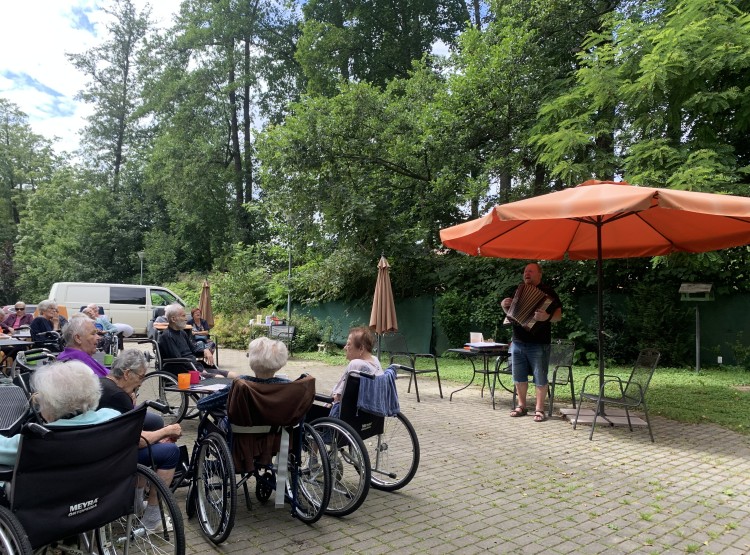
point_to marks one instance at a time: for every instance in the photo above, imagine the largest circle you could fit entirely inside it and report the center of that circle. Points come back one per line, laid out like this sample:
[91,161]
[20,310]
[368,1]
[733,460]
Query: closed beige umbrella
[383,314]
[205,304]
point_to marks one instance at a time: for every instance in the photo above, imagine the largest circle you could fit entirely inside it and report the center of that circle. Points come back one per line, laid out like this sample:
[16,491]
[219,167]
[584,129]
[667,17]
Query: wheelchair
[160,386]
[389,446]
[26,363]
[260,418]
[74,489]
[50,340]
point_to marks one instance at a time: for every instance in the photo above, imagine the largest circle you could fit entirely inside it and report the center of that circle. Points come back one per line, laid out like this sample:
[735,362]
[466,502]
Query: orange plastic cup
[183,380]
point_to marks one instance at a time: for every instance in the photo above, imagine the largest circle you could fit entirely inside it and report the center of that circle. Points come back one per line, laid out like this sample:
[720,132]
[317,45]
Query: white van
[125,304]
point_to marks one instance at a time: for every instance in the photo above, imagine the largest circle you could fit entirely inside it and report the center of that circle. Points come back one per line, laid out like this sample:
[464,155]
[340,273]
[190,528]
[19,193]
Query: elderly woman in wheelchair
[75,472]
[156,448]
[255,429]
[65,394]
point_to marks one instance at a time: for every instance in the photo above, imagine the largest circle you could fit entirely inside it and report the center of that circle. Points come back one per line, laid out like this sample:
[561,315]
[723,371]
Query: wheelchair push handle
[36,354]
[156,405]
[36,429]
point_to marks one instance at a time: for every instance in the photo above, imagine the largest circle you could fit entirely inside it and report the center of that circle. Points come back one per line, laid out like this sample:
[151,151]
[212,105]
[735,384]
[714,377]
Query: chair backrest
[14,409]
[393,342]
[561,353]
[252,405]
[282,333]
[364,423]
[640,377]
[76,478]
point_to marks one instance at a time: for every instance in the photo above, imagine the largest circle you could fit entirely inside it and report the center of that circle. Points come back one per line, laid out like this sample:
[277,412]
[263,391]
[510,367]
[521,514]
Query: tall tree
[668,82]
[26,161]
[372,41]
[114,89]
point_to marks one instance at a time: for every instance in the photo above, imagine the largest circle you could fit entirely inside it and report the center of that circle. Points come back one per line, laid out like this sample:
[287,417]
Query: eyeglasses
[20,308]
[140,376]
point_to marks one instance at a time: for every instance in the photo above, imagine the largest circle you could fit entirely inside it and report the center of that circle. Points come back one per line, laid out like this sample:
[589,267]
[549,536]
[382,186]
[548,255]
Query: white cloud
[34,72]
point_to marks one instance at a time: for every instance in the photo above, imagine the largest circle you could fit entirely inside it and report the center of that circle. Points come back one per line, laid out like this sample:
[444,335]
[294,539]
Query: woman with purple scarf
[80,338]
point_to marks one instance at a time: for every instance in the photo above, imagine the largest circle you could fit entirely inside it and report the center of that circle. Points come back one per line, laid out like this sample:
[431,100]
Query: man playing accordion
[532,336]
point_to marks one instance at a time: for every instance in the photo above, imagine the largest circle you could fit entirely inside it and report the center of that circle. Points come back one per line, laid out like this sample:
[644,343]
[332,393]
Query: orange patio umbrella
[383,313]
[605,219]
[205,304]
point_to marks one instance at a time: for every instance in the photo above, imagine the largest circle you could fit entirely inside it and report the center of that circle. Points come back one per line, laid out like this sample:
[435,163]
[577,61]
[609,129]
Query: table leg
[473,375]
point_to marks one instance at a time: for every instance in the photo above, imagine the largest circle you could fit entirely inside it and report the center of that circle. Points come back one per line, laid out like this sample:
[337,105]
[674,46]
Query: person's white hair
[65,389]
[129,359]
[46,305]
[76,326]
[266,356]
[172,310]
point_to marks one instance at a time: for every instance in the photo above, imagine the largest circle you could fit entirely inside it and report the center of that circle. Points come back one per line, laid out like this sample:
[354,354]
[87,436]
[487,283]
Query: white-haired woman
[81,338]
[267,356]
[48,320]
[66,394]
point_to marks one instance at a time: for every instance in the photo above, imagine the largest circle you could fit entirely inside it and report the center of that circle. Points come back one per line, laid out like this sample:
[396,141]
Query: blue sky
[34,72]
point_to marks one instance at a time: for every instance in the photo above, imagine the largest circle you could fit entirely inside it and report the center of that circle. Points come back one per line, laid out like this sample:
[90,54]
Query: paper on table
[485,345]
[212,387]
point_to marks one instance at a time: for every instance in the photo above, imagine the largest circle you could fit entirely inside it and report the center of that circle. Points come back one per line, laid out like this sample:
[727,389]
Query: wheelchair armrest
[323,398]
[394,356]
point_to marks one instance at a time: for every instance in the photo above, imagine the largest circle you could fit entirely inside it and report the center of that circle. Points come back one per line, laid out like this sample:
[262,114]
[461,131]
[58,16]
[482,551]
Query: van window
[127,295]
[160,297]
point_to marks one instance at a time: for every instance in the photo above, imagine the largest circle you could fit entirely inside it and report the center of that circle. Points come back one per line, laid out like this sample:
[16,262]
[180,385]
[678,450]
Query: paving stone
[490,483]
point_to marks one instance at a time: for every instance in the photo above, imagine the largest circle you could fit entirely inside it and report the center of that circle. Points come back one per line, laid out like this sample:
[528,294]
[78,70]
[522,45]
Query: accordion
[527,300]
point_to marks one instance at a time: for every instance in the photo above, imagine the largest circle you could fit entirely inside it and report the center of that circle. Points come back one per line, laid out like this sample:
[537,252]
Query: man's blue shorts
[527,359]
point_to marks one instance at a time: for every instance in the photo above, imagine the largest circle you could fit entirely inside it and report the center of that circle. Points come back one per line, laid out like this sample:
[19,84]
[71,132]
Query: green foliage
[371,42]
[307,333]
[656,318]
[232,330]
[656,99]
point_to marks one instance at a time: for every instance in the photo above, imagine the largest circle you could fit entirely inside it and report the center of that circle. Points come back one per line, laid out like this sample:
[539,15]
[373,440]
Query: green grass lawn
[717,395]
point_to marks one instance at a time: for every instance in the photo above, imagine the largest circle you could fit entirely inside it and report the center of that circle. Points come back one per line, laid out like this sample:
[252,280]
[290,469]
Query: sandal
[519,411]
[539,416]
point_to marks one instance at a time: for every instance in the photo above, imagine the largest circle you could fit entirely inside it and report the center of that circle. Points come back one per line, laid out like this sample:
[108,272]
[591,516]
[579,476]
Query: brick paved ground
[490,483]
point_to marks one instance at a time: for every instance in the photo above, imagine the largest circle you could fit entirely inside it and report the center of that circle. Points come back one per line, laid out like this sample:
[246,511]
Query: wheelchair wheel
[350,465]
[394,454]
[129,534]
[309,484]
[215,488]
[154,387]
[13,538]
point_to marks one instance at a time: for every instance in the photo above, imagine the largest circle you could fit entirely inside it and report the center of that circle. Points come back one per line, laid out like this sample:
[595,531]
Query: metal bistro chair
[283,333]
[561,369]
[393,344]
[632,393]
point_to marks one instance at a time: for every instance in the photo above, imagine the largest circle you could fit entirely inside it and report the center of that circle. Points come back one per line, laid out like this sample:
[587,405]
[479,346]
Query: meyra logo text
[79,508]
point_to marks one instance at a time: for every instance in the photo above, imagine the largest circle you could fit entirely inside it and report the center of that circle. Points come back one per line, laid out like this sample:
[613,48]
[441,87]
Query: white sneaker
[159,528]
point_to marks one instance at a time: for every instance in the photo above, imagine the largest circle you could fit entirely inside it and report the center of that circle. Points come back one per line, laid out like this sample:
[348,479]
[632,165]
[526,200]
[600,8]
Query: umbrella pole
[600,309]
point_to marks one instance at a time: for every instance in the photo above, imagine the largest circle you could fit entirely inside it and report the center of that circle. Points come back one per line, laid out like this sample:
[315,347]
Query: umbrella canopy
[605,219]
[205,304]
[383,314]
